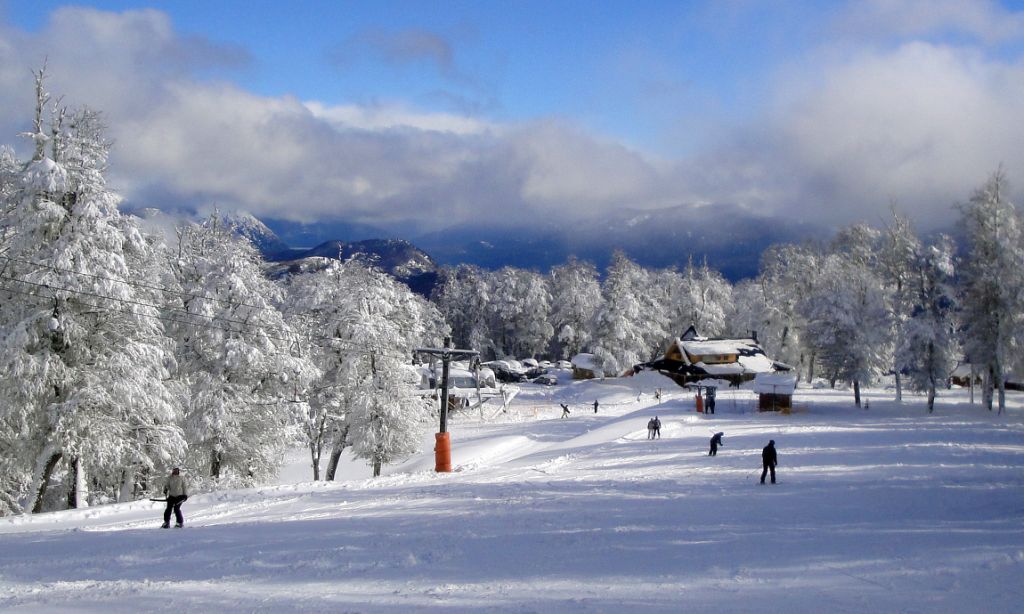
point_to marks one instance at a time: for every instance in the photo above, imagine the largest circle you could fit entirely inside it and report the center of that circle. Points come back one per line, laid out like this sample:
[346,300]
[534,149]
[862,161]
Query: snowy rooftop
[774,383]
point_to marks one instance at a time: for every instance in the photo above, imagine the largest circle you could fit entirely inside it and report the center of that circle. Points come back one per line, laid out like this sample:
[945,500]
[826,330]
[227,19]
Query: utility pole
[443,444]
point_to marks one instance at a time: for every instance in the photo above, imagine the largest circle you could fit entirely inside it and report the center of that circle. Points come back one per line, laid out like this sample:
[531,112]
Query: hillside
[886,509]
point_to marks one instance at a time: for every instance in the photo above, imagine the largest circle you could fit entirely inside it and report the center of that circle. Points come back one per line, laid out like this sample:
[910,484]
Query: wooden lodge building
[692,358]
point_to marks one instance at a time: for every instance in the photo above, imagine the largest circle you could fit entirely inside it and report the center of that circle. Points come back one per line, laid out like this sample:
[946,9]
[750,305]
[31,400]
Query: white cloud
[984,20]
[921,124]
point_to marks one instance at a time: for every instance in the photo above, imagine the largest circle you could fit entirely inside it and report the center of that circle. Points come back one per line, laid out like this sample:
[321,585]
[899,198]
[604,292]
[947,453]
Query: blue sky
[828,110]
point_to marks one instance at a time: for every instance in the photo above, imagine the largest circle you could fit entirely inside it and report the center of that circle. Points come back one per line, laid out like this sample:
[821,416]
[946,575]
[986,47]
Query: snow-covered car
[546,380]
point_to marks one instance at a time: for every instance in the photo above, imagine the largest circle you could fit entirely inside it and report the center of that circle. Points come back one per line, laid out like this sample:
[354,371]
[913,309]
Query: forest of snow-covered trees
[124,354]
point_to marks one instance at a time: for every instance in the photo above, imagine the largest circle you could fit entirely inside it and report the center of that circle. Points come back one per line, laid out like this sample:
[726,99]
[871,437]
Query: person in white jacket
[177,492]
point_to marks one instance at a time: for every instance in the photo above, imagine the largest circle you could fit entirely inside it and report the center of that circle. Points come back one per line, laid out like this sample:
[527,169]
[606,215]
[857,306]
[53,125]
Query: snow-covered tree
[848,322]
[621,335]
[238,359]
[463,296]
[576,296]
[386,418]
[787,275]
[899,259]
[521,304]
[84,353]
[700,299]
[992,283]
[332,303]
[927,346]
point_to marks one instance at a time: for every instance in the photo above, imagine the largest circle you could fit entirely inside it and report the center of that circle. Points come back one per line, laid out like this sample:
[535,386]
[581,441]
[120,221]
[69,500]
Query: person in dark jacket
[565,410]
[657,428]
[769,459]
[715,442]
[650,428]
[177,493]
[595,406]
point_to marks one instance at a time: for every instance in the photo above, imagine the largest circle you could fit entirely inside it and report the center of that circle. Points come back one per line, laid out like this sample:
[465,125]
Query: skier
[657,427]
[650,428]
[177,493]
[715,442]
[709,405]
[595,406]
[565,410]
[769,459]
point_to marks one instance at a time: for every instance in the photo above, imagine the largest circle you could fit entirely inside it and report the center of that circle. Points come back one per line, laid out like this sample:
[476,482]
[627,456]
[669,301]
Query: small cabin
[586,366]
[774,391]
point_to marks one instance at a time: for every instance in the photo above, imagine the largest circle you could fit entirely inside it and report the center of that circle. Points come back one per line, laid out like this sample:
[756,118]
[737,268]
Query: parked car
[546,380]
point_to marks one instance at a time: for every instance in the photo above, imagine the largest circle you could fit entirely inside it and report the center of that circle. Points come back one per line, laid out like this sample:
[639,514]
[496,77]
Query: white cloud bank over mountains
[849,130]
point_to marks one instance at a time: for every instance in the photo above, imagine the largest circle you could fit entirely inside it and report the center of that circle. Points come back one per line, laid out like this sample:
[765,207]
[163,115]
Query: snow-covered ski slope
[880,510]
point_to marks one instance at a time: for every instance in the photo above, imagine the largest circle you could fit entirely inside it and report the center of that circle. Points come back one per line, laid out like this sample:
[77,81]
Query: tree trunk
[314,453]
[899,387]
[127,486]
[339,446]
[215,465]
[48,465]
[376,468]
[73,483]
[931,397]
[856,392]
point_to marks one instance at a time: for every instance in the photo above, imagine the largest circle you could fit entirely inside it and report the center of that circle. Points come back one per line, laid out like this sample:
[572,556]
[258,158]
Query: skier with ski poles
[176,492]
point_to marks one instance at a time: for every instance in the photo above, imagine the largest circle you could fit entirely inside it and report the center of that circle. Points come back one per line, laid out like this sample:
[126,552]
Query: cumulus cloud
[920,124]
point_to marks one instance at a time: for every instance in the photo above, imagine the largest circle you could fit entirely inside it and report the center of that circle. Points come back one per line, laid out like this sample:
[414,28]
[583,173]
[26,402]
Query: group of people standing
[654,428]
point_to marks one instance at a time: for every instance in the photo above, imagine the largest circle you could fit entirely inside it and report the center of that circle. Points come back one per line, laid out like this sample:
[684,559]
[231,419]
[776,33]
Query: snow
[587,361]
[887,509]
[774,383]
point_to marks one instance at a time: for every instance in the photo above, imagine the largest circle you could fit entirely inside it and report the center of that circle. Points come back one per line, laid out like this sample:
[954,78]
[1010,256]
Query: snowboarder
[769,459]
[650,428]
[657,427]
[715,442]
[595,406]
[177,493]
[657,395]
[565,410]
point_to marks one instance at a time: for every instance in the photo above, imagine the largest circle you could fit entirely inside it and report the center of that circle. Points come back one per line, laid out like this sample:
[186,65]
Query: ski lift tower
[443,444]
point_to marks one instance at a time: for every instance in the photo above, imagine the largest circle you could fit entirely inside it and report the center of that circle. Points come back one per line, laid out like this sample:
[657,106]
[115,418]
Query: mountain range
[727,237]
